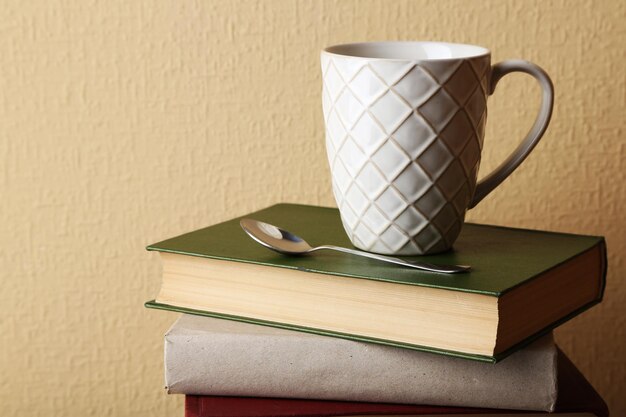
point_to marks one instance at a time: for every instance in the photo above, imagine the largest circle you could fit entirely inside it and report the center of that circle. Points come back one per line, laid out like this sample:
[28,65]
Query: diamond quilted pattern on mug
[325,61]
[357,201]
[395,157]
[411,220]
[414,135]
[364,235]
[390,71]
[436,159]
[475,106]
[338,195]
[333,82]
[330,149]
[462,83]
[348,216]
[453,232]
[335,130]
[349,108]
[341,176]
[413,182]
[371,181]
[326,102]
[391,203]
[461,200]
[380,247]
[394,238]
[439,246]
[368,134]
[375,220]
[480,128]
[367,86]
[390,110]
[456,133]
[484,85]
[440,70]
[470,155]
[351,156]
[416,87]
[449,183]
[474,174]
[445,219]
[480,67]
[439,109]
[427,238]
[348,67]
[390,159]
[431,202]
[409,249]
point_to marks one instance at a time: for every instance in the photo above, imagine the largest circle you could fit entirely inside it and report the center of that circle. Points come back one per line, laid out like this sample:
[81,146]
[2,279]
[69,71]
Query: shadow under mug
[405,123]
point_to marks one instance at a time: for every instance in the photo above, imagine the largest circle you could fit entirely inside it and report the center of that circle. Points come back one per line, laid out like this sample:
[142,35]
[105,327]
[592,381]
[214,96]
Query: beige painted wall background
[126,122]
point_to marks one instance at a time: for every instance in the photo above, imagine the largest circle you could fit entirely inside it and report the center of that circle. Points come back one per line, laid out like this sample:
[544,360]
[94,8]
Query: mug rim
[342,50]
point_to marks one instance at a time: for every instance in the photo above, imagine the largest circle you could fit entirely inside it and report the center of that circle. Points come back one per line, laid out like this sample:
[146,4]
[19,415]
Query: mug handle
[491,181]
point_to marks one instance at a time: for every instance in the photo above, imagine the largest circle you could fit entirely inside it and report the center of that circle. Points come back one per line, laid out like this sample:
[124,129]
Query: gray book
[207,356]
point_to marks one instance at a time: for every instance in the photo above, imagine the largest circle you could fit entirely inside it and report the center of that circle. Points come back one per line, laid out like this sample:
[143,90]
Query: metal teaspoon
[285,242]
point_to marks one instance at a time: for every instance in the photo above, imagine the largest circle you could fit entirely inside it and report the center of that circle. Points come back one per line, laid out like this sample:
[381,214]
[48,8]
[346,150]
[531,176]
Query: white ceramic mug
[405,123]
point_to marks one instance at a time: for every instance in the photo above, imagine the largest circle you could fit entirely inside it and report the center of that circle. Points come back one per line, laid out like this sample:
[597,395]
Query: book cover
[207,356]
[502,258]
[576,398]
[523,283]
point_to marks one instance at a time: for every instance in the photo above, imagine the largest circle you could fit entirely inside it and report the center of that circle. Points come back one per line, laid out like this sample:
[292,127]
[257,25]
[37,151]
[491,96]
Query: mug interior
[413,51]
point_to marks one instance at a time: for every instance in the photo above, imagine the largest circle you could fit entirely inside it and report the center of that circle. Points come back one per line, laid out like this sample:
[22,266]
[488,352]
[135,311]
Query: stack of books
[332,334]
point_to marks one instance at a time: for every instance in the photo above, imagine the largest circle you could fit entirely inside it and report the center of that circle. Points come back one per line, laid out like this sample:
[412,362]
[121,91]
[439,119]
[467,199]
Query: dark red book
[576,395]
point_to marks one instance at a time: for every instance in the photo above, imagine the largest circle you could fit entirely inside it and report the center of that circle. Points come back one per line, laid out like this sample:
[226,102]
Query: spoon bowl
[287,243]
[275,238]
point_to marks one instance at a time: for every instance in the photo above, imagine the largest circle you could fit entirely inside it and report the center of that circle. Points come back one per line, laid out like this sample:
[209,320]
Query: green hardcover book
[523,283]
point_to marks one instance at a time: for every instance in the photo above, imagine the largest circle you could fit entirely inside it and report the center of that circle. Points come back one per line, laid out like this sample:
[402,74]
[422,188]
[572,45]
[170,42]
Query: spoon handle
[444,269]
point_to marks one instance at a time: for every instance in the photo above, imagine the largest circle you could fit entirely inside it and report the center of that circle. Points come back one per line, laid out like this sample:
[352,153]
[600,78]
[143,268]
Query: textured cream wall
[126,122]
